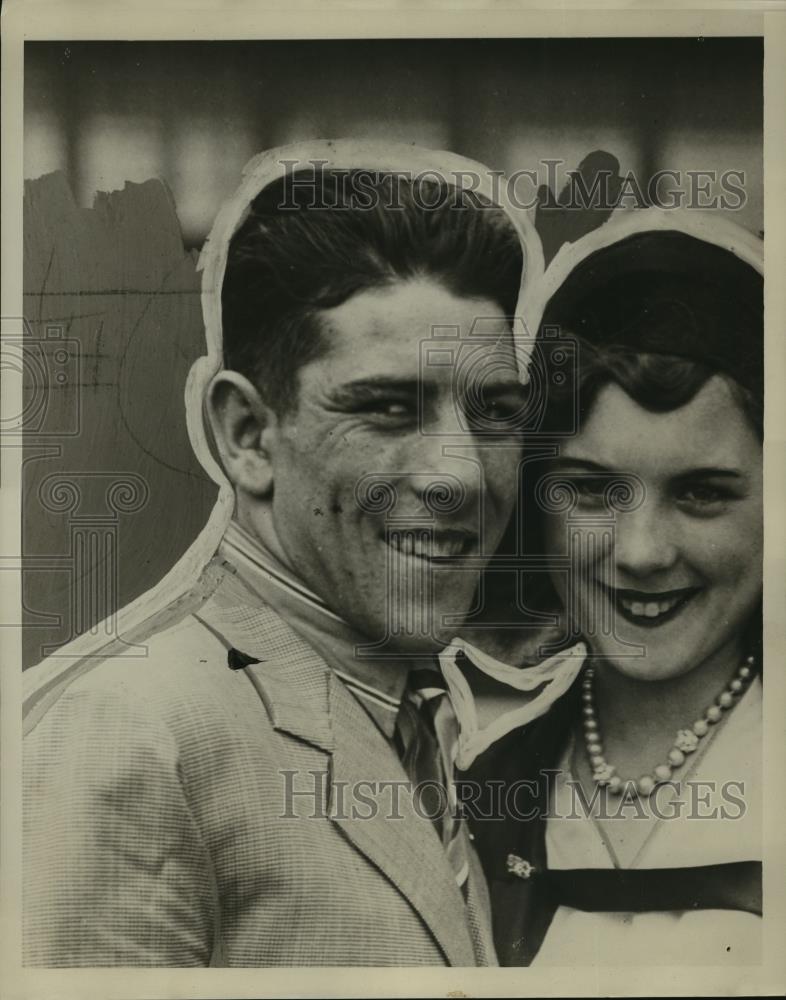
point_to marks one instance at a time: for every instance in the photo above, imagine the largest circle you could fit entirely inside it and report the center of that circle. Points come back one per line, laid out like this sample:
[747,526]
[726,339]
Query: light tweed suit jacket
[157,831]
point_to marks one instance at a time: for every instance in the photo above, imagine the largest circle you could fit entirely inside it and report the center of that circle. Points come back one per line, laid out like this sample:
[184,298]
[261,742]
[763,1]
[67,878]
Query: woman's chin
[647,664]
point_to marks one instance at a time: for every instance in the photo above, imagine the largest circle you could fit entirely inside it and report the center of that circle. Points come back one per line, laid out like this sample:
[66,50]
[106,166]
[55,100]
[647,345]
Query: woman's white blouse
[692,937]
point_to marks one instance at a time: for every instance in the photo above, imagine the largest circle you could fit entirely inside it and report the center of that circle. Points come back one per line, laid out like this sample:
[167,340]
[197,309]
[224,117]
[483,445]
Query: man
[270,785]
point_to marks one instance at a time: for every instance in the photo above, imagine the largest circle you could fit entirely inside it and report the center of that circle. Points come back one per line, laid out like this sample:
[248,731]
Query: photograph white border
[242,19]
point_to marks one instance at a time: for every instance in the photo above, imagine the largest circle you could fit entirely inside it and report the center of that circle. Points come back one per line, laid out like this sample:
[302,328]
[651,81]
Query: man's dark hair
[315,238]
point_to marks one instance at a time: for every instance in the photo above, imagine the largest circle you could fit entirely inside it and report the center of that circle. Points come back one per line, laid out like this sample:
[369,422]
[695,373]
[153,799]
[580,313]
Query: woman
[651,515]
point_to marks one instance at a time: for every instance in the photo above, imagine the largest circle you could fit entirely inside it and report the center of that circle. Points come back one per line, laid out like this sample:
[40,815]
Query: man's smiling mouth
[431,545]
[649,608]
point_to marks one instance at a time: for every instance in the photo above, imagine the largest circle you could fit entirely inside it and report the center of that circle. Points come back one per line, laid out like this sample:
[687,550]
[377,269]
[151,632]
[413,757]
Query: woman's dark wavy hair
[659,383]
[317,237]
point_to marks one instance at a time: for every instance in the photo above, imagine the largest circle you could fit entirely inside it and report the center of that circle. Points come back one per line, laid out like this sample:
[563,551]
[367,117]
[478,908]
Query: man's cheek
[554,532]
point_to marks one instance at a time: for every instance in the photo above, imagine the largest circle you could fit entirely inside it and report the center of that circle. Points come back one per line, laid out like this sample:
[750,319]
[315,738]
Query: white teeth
[426,547]
[648,609]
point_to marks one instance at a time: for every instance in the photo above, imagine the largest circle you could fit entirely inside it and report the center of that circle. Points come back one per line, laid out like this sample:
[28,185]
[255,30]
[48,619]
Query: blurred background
[112,493]
[193,113]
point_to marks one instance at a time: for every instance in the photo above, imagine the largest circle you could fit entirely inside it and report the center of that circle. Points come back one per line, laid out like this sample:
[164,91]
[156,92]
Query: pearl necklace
[686,741]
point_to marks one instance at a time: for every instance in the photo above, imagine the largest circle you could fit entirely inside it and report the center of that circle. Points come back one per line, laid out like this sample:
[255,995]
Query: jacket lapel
[306,700]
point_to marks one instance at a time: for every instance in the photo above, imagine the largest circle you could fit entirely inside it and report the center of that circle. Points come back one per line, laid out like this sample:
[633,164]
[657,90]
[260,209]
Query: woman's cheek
[728,548]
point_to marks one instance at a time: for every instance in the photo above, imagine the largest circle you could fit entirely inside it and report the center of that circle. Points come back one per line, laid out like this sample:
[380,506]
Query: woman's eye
[704,499]
[702,494]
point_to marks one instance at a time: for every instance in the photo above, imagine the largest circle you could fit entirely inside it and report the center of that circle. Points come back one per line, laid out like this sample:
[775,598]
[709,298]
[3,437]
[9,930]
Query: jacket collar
[378,684]
[291,677]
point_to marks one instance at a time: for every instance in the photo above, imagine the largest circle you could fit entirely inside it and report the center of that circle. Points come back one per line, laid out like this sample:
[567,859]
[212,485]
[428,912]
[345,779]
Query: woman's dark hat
[667,292]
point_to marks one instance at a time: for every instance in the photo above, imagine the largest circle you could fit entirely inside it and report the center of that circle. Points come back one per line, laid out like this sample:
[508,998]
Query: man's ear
[244,430]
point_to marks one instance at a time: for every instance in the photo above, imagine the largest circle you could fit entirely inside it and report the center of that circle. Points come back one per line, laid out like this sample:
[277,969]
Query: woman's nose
[644,541]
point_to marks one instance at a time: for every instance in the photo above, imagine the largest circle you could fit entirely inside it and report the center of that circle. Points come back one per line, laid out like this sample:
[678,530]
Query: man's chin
[410,636]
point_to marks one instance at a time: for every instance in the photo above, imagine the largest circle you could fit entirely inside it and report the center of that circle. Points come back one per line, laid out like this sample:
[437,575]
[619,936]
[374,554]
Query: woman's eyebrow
[711,471]
[708,471]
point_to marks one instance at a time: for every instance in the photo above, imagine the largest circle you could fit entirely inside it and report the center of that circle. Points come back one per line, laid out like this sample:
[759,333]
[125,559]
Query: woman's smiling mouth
[649,608]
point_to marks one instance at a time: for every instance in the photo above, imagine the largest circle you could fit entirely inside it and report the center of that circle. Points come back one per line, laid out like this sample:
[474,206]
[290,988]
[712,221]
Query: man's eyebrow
[510,385]
[581,463]
[376,382]
[374,385]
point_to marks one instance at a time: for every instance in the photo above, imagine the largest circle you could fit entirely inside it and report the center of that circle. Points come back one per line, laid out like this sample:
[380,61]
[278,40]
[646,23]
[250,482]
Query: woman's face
[659,588]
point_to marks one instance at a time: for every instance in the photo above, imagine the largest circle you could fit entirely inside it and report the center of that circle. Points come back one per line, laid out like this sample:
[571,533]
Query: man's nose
[446,471]
[645,541]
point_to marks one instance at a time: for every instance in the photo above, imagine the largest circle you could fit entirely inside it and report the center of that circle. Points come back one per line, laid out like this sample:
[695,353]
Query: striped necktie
[427,733]
[427,737]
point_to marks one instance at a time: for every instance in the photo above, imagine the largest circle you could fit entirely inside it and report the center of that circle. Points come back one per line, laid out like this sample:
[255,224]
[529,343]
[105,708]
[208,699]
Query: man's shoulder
[172,672]
[175,674]
[155,711]
[187,645]
[184,662]
[183,646]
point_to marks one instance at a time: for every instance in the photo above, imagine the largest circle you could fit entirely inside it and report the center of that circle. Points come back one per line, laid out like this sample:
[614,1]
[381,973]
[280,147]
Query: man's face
[387,497]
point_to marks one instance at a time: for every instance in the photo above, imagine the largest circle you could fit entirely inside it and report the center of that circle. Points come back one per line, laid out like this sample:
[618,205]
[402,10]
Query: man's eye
[389,409]
[496,413]
[499,410]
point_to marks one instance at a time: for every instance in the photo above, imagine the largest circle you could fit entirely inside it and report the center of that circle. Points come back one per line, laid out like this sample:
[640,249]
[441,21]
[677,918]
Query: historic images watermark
[524,188]
[313,795]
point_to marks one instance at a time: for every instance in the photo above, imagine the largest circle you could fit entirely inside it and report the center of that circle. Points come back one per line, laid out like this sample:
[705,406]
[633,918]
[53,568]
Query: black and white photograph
[392,519]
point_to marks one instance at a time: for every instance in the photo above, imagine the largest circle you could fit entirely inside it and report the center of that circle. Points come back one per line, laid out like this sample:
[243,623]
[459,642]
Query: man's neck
[256,520]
